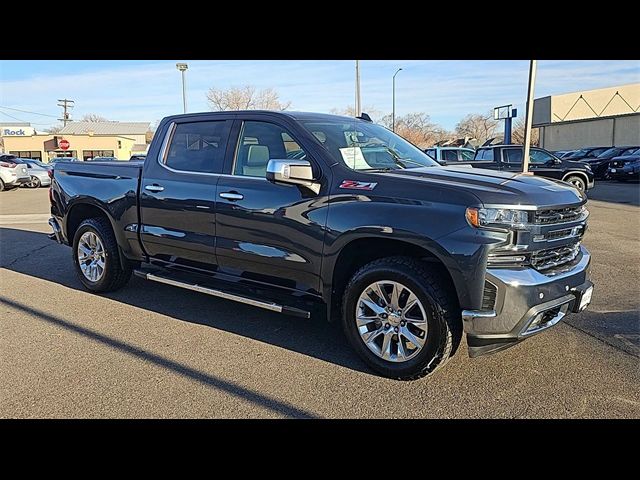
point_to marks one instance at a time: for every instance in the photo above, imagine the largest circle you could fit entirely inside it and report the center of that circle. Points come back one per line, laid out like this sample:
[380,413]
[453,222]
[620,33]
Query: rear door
[178,191]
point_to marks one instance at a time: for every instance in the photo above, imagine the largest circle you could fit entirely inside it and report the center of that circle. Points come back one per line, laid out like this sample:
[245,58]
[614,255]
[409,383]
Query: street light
[183,68]
[393,113]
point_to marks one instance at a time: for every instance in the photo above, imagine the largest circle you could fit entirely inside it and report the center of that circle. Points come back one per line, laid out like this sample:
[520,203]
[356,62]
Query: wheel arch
[576,173]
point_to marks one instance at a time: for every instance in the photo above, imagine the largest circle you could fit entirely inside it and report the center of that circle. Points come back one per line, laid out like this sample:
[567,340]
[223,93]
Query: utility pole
[65,104]
[358,105]
[393,111]
[527,125]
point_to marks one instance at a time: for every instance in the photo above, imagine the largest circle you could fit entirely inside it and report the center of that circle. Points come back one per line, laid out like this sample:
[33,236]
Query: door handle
[232,196]
[154,188]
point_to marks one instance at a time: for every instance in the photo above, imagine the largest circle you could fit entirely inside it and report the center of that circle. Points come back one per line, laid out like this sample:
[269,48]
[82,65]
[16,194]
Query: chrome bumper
[527,302]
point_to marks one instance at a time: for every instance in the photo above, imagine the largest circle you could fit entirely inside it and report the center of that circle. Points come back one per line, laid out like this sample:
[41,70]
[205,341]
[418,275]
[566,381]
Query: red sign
[64,144]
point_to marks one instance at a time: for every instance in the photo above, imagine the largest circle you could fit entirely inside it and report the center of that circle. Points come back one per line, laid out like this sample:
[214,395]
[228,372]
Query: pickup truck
[317,215]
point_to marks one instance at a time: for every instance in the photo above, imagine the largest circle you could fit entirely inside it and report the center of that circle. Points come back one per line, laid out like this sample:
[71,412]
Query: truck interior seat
[256,162]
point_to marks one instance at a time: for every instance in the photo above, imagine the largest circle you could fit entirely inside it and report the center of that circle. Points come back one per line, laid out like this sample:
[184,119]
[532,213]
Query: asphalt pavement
[154,351]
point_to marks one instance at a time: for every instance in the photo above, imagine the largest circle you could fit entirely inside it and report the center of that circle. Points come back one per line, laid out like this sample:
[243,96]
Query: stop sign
[64,144]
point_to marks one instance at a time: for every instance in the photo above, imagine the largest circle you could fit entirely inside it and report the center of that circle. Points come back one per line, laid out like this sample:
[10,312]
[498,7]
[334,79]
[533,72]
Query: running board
[274,307]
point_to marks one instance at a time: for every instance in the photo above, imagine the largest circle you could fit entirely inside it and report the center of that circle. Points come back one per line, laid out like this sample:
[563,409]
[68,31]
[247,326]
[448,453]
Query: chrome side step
[274,307]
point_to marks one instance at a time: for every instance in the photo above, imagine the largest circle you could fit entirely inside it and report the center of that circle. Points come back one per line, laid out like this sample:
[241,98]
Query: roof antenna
[365,117]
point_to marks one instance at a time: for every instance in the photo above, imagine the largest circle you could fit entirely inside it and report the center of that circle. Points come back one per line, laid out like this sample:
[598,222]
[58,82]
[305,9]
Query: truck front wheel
[96,257]
[401,317]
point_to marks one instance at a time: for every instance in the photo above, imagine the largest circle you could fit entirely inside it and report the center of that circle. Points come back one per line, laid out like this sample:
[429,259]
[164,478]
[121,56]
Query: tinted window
[198,147]
[261,141]
[513,155]
[596,152]
[487,155]
[450,155]
[539,156]
[610,152]
[431,152]
[466,155]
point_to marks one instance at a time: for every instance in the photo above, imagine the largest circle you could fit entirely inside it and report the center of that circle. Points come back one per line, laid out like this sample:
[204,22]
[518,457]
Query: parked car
[446,155]
[508,158]
[55,160]
[585,153]
[102,159]
[138,157]
[600,164]
[13,173]
[625,167]
[364,227]
[38,171]
[564,153]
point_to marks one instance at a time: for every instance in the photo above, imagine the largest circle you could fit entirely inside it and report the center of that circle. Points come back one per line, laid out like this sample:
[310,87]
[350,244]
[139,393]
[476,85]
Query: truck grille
[559,215]
[554,257]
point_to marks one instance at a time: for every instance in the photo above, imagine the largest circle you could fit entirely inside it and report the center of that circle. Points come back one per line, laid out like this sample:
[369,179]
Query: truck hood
[496,188]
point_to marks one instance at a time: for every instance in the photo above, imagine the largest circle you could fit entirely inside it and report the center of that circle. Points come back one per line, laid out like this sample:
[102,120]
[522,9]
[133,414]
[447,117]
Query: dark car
[508,158]
[138,157]
[625,167]
[360,227]
[585,153]
[600,164]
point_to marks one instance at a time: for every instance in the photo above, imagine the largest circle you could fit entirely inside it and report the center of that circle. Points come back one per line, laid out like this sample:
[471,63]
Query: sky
[130,90]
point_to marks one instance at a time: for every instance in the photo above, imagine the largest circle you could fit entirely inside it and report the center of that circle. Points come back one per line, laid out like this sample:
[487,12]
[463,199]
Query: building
[607,117]
[82,140]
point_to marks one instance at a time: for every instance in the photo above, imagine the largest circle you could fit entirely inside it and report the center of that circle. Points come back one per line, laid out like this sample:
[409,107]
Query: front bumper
[527,302]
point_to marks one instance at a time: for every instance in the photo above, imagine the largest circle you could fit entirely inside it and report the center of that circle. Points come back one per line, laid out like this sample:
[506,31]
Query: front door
[178,192]
[269,233]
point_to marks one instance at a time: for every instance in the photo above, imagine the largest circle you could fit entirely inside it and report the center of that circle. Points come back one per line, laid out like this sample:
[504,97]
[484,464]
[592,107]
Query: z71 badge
[355,185]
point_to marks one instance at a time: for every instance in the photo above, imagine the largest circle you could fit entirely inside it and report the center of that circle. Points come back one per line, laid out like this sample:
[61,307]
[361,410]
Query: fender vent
[489,296]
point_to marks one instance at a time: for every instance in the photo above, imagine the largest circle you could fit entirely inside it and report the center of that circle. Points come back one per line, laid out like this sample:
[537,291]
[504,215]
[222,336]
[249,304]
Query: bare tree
[417,128]
[93,117]
[478,126]
[53,129]
[517,133]
[245,98]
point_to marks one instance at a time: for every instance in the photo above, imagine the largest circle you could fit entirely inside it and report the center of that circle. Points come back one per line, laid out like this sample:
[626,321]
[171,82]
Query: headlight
[497,217]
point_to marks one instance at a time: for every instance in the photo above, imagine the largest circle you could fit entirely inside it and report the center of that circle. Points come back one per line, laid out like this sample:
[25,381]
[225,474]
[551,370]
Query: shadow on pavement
[204,378]
[620,329]
[315,338]
[625,193]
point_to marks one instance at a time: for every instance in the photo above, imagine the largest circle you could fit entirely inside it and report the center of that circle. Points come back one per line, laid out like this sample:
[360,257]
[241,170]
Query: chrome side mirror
[292,172]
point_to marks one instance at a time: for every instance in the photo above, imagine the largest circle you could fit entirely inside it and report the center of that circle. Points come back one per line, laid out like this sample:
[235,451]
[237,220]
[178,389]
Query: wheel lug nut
[399,312]
[403,323]
[395,329]
[386,326]
[383,315]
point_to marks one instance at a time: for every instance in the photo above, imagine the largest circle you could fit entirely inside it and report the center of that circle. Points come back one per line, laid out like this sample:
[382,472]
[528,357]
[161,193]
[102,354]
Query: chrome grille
[559,215]
[554,257]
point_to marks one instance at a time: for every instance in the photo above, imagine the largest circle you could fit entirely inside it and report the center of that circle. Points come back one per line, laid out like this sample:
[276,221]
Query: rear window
[450,155]
[198,147]
[485,154]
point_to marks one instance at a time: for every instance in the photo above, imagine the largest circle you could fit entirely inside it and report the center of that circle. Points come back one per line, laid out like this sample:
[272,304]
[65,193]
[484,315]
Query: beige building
[84,140]
[603,117]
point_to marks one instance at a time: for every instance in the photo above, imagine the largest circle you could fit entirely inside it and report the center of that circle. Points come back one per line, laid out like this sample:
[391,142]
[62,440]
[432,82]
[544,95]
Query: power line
[27,111]
[20,120]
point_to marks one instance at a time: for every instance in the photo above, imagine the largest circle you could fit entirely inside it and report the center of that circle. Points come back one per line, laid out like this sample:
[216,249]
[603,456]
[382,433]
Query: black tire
[2,187]
[444,323]
[114,276]
[578,182]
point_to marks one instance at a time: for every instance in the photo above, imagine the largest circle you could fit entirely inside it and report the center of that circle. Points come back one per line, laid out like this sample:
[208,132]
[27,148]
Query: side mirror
[442,162]
[292,172]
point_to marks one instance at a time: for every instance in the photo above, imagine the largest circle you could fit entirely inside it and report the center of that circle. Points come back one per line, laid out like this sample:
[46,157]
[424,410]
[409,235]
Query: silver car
[13,173]
[38,171]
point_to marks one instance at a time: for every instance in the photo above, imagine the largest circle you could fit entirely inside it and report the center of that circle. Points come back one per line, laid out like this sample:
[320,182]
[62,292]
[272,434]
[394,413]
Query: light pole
[183,68]
[393,111]
[527,126]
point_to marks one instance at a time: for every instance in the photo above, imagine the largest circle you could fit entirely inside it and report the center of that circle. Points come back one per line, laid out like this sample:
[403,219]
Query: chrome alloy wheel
[578,183]
[392,322]
[91,256]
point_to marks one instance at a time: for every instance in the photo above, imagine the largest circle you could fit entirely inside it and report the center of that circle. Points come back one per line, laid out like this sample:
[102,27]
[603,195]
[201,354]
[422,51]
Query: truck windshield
[366,146]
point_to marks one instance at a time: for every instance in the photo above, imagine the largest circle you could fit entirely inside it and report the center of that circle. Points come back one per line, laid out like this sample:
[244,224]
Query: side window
[260,142]
[466,155]
[513,155]
[539,156]
[450,155]
[431,152]
[479,155]
[198,147]
[488,155]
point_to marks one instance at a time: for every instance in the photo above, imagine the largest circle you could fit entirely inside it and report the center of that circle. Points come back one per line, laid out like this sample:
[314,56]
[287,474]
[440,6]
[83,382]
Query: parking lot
[152,350]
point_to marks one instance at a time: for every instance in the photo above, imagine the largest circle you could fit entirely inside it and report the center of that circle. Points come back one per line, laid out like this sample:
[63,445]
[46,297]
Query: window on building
[260,142]
[90,154]
[34,155]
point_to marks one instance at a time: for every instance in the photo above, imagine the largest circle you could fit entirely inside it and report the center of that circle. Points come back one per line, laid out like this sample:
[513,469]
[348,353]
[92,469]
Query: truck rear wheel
[401,317]
[577,182]
[96,257]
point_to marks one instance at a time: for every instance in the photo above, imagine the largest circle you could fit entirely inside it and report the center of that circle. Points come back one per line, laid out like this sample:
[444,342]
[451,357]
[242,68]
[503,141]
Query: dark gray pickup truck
[320,215]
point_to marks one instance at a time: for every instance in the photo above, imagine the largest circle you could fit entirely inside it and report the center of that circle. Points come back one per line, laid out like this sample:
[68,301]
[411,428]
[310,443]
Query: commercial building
[607,117]
[83,140]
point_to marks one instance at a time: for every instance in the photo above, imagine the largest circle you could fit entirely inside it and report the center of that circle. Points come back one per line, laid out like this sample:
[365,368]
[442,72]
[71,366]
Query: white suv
[12,173]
